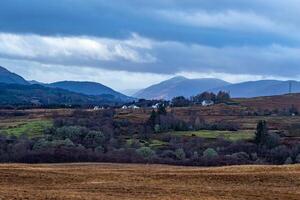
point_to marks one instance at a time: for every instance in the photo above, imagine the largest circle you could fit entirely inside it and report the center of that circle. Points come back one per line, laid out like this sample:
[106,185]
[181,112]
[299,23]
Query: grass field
[30,128]
[228,135]
[117,181]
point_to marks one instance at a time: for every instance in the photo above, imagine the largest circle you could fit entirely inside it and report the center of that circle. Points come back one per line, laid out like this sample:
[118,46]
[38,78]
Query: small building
[133,107]
[124,107]
[155,106]
[98,108]
[207,103]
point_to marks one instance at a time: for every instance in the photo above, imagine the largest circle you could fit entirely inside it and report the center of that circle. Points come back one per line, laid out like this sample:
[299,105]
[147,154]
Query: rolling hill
[259,88]
[85,88]
[17,94]
[179,86]
[89,88]
[11,78]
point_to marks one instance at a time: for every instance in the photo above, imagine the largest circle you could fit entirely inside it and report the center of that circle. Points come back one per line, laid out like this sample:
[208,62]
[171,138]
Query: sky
[131,44]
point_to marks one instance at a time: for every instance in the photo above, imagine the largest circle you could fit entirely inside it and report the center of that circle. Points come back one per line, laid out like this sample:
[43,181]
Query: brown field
[124,181]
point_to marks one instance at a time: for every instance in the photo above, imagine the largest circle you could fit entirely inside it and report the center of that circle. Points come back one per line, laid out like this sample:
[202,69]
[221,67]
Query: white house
[98,108]
[155,106]
[124,107]
[207,103]
[133,107]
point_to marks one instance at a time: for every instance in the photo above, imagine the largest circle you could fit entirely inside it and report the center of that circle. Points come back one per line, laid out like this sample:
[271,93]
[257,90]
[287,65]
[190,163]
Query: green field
[29,128]
[209,134]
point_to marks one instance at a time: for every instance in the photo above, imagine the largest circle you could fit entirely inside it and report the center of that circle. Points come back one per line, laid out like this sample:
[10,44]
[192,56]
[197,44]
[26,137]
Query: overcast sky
[128,44]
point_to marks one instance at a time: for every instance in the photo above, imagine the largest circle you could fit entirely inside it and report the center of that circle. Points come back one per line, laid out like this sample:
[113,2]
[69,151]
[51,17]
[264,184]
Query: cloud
[244,21]
[145,55]
[265,22]
[47,73]
[74,49]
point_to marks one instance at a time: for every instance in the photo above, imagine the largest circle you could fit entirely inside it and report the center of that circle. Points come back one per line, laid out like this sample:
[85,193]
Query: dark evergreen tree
[161,110]
[261,132]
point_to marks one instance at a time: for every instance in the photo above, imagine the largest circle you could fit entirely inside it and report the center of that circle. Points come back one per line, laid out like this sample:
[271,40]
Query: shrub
[272,140]
[210,153]
[93,139]
[145,152]
[241,156]
[297,160]
[99,149]
[288,161]
[279,154]
[180,154]
[157,128]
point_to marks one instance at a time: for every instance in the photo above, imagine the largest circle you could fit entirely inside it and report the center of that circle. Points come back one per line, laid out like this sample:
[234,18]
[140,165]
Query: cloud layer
[140,54]
[224,38]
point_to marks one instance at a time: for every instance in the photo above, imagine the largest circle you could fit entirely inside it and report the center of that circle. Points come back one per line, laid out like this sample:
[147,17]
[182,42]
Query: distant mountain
[179,86]
[16,94]
[32,82]
[89,88]
[130,92]
[11,78]
[260,88]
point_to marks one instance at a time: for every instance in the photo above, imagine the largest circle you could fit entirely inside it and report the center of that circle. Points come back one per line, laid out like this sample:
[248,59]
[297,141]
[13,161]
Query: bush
[210,153]
[145,152]
[93,139]
[279,154]
[297,160]
[99,149]
[157,128]
[180,154]
[272,140]
[288,161]
[241,156]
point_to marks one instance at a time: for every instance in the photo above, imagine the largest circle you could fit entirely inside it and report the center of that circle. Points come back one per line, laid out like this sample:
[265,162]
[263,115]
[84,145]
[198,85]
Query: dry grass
[116,181]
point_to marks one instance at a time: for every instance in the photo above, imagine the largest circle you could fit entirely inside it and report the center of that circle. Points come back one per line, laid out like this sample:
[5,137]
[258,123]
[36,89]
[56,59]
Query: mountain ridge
[179,86]
[11,78]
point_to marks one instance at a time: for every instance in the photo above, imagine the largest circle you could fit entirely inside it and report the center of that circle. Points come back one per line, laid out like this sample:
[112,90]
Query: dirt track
[113,181]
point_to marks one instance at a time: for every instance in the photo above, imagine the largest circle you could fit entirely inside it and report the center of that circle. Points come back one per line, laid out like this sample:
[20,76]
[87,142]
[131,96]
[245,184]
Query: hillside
[179,86]
[14,94]
[11,78]
[89,88]
[272,102]
[259,88]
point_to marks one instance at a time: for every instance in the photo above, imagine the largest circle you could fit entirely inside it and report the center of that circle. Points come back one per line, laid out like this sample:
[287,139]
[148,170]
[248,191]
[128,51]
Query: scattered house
[133,107]
[124,107]
[155,106]
[98,108]
[207,103]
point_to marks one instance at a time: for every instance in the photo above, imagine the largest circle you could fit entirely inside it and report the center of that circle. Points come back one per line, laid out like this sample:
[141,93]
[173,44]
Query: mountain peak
[179,86]
[2,69]
[178,78]
[11,78]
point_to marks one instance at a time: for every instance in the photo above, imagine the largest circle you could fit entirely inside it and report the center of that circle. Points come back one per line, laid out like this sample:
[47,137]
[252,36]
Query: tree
[161,110]
[180,154]
[145,152]
[152,119]
[261,132]
[180,101]
[222,97]
[205,96]
[210,153]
